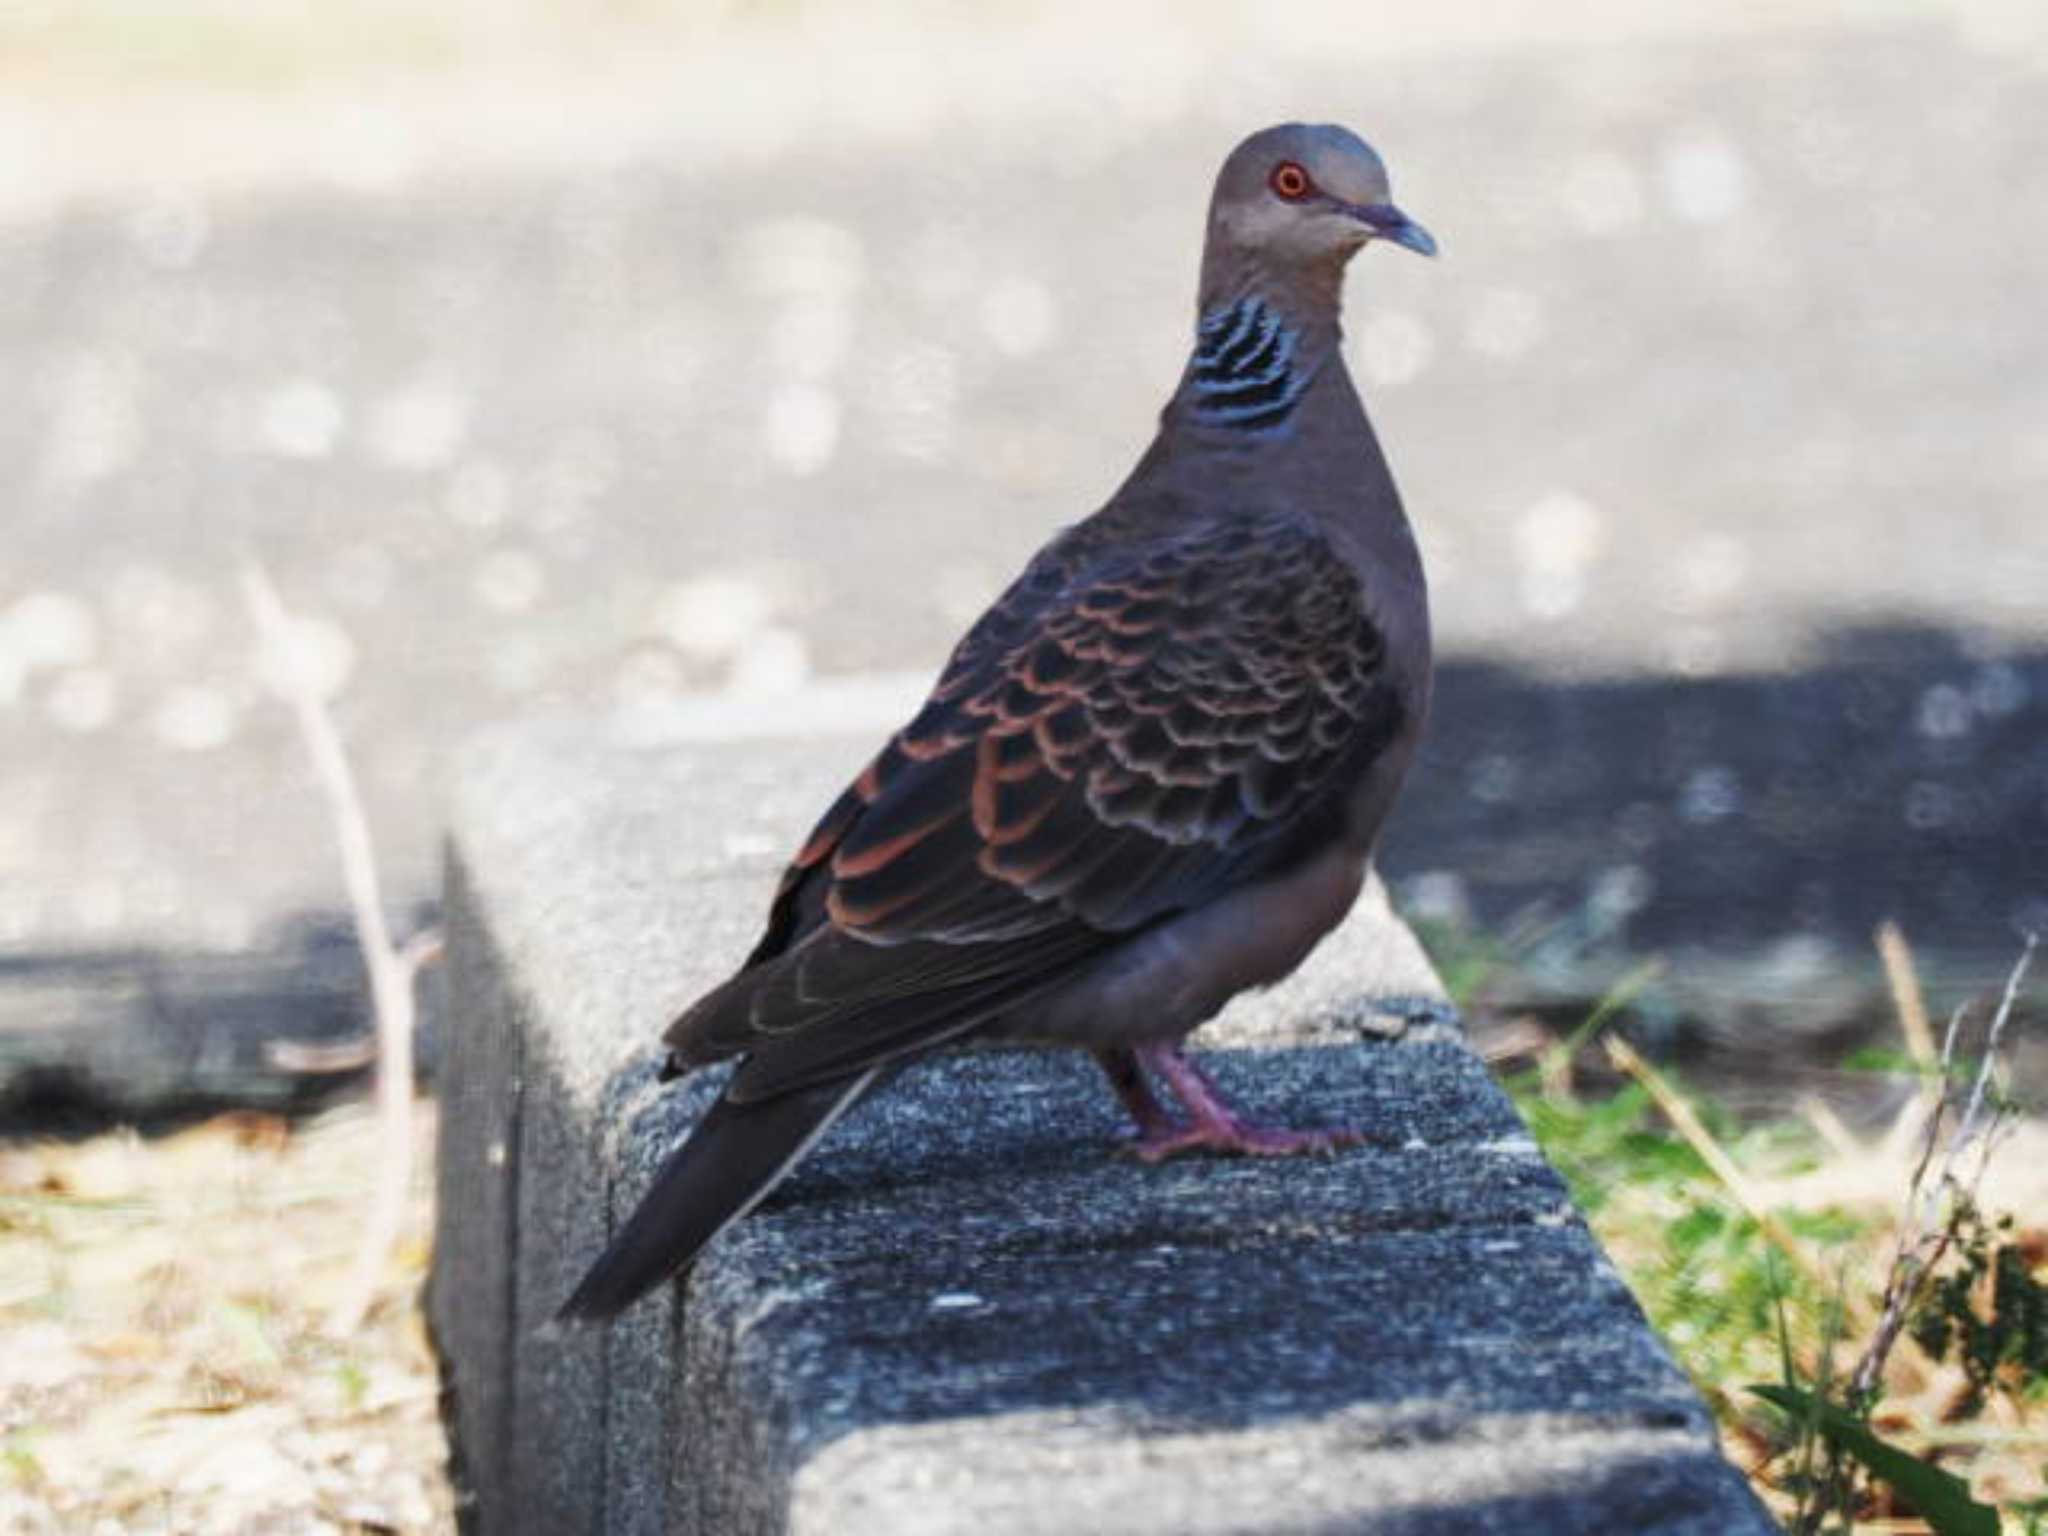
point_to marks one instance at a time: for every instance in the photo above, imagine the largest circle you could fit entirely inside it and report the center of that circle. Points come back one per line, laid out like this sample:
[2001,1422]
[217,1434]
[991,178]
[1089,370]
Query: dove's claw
[1212,1126]
[1235,1138]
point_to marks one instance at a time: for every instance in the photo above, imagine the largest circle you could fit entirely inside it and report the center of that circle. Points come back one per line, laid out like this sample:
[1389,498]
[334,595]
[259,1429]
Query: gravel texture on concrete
[967,1311]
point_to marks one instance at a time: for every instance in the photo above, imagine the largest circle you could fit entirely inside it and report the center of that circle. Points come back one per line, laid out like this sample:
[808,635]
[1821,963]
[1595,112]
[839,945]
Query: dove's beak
[1389,223]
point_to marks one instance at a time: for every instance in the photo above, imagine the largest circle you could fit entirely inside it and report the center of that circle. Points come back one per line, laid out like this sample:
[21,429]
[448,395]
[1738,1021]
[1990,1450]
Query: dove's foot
[1212,1125]
[1238,1139]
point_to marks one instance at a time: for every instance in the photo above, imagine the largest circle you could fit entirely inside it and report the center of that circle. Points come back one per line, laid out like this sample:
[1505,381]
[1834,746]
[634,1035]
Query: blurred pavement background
[611,358]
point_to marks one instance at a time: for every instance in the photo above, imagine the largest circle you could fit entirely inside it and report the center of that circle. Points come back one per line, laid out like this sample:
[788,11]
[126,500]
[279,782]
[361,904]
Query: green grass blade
[1942,1498]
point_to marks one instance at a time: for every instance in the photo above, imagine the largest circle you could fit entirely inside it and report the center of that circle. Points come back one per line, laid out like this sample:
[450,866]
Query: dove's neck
[1261,350]
[1266,414]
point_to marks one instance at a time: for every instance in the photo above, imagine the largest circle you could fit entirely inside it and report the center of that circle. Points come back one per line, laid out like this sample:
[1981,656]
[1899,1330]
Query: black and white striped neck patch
[1244,373]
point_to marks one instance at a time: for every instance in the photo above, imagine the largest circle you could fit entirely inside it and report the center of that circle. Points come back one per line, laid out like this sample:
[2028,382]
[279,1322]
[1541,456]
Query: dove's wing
[1126,735]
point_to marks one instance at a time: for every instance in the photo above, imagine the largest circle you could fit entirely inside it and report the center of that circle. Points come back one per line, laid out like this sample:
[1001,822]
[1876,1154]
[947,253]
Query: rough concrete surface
[771,359]
[967,1312]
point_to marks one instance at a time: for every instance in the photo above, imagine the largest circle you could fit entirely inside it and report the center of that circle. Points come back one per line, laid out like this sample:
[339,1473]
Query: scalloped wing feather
[1128,732]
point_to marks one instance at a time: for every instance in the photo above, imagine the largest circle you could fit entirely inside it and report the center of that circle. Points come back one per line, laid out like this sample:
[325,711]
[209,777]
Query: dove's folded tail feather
[727,1166]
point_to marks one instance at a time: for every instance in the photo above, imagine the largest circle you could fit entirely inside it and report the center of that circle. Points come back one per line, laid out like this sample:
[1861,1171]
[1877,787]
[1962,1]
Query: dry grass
[163,1366]
[1703,1271]
[1723,1229]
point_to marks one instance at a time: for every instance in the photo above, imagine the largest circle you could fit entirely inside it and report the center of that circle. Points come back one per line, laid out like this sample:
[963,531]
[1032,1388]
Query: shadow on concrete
[1748,831]
[156,1037]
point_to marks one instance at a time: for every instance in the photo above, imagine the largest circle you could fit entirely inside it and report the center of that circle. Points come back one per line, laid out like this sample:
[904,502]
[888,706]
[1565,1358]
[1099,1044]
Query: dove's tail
[725,1167]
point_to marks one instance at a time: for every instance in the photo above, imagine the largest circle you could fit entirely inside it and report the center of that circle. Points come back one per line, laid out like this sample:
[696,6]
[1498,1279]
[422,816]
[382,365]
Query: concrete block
[966,1312]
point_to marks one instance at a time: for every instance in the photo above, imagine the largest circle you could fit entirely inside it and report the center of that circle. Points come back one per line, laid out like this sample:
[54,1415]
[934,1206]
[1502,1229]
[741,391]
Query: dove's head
[1303,199]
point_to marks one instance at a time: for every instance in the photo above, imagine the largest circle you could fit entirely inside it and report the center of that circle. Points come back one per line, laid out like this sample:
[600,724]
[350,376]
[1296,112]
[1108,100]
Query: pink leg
[1213,1125]
[1121,1068]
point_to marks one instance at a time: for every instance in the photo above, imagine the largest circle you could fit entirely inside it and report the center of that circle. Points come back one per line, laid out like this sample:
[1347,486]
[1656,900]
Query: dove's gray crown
[1151,776]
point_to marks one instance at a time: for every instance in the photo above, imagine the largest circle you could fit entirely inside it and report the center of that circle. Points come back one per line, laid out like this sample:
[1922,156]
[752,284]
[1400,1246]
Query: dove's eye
[1290,181]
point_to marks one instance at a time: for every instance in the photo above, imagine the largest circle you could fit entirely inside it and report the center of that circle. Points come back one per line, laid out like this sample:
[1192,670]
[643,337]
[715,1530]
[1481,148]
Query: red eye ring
[1290,181]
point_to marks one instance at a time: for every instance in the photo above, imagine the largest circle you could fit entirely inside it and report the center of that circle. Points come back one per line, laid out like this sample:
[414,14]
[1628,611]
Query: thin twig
[1922,1244]
[322,1058]
[1975,1124]
[391,977]
[1554,1067]
[1701,1140]
[1922,1198]
[1519,1039]
[334,1058]
[1909,1004]
[1907,998]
